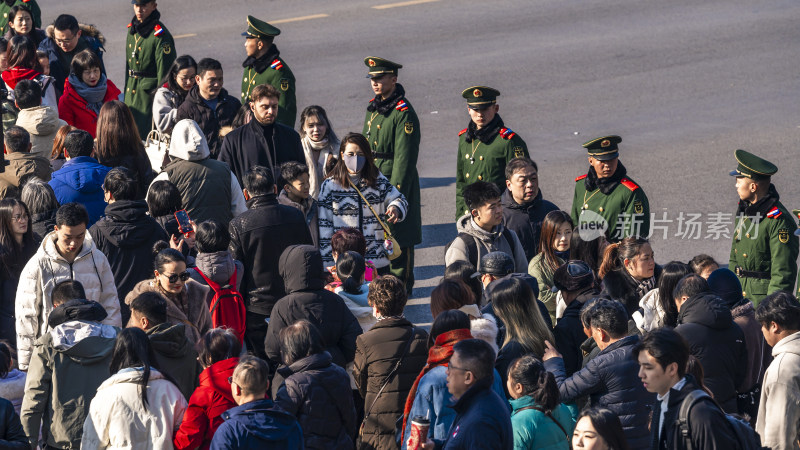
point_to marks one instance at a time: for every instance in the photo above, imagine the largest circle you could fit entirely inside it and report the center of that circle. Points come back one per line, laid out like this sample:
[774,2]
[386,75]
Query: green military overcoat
[5,9]
[626,198]
[280,76]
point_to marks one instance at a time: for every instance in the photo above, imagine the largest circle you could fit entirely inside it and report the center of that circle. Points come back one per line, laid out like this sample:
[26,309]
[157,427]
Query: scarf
[144,28]
[386,106]
[316,169]
[760,208]
[93,95]
[642,287]
[606,185]
[261,64]
[13,75]
[485,134]
[438,355]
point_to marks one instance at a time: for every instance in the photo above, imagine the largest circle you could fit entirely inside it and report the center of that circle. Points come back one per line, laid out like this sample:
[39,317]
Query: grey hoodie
[488,241]
[42,123]
[778,415]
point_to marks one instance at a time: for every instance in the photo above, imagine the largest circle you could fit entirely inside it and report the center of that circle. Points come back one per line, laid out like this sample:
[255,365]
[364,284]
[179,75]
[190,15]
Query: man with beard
[392,129]
[262,141]
[265,66]
[150,53]
[608,193]
[764,249]
[486,146]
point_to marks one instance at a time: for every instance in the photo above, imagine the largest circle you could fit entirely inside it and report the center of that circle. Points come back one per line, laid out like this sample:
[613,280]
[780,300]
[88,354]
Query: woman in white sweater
[341,206]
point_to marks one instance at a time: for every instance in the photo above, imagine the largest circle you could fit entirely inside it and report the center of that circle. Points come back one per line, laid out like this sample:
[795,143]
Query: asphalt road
[683,82]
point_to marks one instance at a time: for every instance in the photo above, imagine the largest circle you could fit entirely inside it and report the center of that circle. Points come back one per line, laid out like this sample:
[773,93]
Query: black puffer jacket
[526,220]
[620,286]
[718,343]
[612,381]
[12,436]
[317,392]
[175,356]
[306,298]
[258,238]
[568,332]
[210,121]
[126,235]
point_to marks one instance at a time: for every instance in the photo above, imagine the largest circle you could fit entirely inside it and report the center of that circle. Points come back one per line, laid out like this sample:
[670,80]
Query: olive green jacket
[765,245]
[272,69]
[544,277]
[394,138]
[150,58]
[627,199]
[479,161]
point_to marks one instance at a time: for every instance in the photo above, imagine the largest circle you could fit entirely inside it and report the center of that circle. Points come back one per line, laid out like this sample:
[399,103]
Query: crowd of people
[182,269]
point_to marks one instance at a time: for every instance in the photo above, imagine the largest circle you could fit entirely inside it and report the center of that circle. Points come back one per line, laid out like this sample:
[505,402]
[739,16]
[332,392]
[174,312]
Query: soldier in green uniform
[5,8]
[764,250]
[392,128]
[486,146]
[264,65]
[150,53]
[606,192]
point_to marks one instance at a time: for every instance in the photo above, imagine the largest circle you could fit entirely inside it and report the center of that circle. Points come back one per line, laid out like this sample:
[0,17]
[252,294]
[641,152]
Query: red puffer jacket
[72,107]
[208,402]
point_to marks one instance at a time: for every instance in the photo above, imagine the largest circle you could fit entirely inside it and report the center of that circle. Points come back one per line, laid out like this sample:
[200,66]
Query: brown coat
[20,165]
[377,351]
[199,318]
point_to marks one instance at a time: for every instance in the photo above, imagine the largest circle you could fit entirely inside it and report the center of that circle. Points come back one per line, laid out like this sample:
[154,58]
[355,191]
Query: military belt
[741,273]
[137,74]
[383,155]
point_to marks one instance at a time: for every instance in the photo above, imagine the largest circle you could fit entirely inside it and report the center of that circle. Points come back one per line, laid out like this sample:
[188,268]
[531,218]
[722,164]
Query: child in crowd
[214,259]
[350,267]
[12,380]
[348,239]
[296,192]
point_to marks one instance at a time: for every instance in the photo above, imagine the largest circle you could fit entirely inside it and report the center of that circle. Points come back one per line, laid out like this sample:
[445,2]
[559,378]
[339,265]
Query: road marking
[181,36]
[408,3]
[418,301]
[298,19]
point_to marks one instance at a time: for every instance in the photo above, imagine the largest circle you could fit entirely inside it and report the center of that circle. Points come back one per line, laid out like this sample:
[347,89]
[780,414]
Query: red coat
[206,405]
[72,107]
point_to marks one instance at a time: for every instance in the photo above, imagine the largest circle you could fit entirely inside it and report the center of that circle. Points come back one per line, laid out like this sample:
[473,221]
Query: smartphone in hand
[184,225]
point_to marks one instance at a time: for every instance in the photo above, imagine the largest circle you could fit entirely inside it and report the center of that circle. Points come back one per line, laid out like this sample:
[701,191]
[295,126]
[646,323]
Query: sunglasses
[174,278]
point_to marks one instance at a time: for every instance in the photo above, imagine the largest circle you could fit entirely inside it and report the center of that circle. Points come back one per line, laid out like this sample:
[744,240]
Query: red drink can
[419,432]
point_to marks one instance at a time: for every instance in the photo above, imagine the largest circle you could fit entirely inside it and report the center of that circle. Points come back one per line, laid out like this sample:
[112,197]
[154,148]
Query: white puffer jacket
[48,268]
[118,420]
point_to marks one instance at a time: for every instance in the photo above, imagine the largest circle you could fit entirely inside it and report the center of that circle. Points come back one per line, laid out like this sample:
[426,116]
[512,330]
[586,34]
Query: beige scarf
[316,169]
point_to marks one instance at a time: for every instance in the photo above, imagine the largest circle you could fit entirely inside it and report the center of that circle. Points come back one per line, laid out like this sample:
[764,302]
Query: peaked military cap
[479,97]
[753,167]
[258,29]
[572,276]
[495,263]
[141,2]
[603,148]
[380,66]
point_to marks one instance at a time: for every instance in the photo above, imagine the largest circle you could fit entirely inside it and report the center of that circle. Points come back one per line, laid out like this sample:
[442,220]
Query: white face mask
[354,163]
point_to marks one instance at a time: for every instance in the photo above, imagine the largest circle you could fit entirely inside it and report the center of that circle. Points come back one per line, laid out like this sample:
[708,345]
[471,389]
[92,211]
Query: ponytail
[536,382]
[609,262]
[350,266]
[616,254]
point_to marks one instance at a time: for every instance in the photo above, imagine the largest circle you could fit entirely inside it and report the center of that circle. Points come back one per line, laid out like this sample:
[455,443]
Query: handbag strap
[546,413]
[380,222]
[393,372]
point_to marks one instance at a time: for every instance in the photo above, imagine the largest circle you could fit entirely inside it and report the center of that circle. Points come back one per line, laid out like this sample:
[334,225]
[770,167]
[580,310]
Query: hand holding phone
[184,223]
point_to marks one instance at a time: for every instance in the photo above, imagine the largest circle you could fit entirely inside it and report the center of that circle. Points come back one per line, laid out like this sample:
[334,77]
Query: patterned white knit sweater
[342,207]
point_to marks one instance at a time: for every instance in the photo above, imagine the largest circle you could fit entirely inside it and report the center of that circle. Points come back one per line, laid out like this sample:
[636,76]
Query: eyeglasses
[174,278]
[452,367]
[20,217]
[65,41]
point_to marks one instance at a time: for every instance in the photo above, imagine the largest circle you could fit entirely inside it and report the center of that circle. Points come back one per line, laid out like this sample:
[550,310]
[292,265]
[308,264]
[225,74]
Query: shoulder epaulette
[25,1]
[506,133]
[629,184]
[462,131]
[157,30]
[130,24]
[401,105]
[581,177]
[372,100]
[277,64]
[774,213]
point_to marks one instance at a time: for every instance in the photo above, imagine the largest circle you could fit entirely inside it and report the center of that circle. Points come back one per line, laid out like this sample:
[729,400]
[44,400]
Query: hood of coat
[48,247]
[789,344]
[77,309]
[188,142]
[39,120]
[169,340]
[301,269]
[312,362]
[125,224]
[465,224]
[130,375]
[83,174]
[216,377]
[485,329]
[21,164]
[262,420]
[86,30]
[218,266]
[706,309]
[84,342]
[744,309]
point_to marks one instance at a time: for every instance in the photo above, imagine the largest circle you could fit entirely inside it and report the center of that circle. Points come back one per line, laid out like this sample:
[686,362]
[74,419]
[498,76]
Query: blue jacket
[533,430]
[611,380]
[482,421]
[433,398]
[257,425]
[81,180]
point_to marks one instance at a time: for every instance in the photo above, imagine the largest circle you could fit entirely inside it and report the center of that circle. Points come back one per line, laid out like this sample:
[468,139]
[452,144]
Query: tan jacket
[42,123]
[20,165]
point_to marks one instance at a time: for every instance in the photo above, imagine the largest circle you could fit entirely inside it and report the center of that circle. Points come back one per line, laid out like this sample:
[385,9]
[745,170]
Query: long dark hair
[449,320]
[615,254]
[451,293]
[587,251]
[218,344]
[671,273]
[536,382]
[552,221]
[117,135]
[132,349]
[10,250]
[22,53]
[463,270]
[181,62]
[607,426]
[350,267]
[318,112]
[515,305]
[163,199]
[369,173]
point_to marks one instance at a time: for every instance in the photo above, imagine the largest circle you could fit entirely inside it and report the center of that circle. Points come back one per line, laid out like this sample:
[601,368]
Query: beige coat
[42,123]
[197,299]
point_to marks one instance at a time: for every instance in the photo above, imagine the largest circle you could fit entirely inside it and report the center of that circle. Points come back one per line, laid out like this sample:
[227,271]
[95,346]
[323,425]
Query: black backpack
[747,437]
[472,246]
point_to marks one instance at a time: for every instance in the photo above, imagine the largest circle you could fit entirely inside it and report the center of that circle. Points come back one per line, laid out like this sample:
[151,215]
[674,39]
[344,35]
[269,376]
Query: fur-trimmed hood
[86,30]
